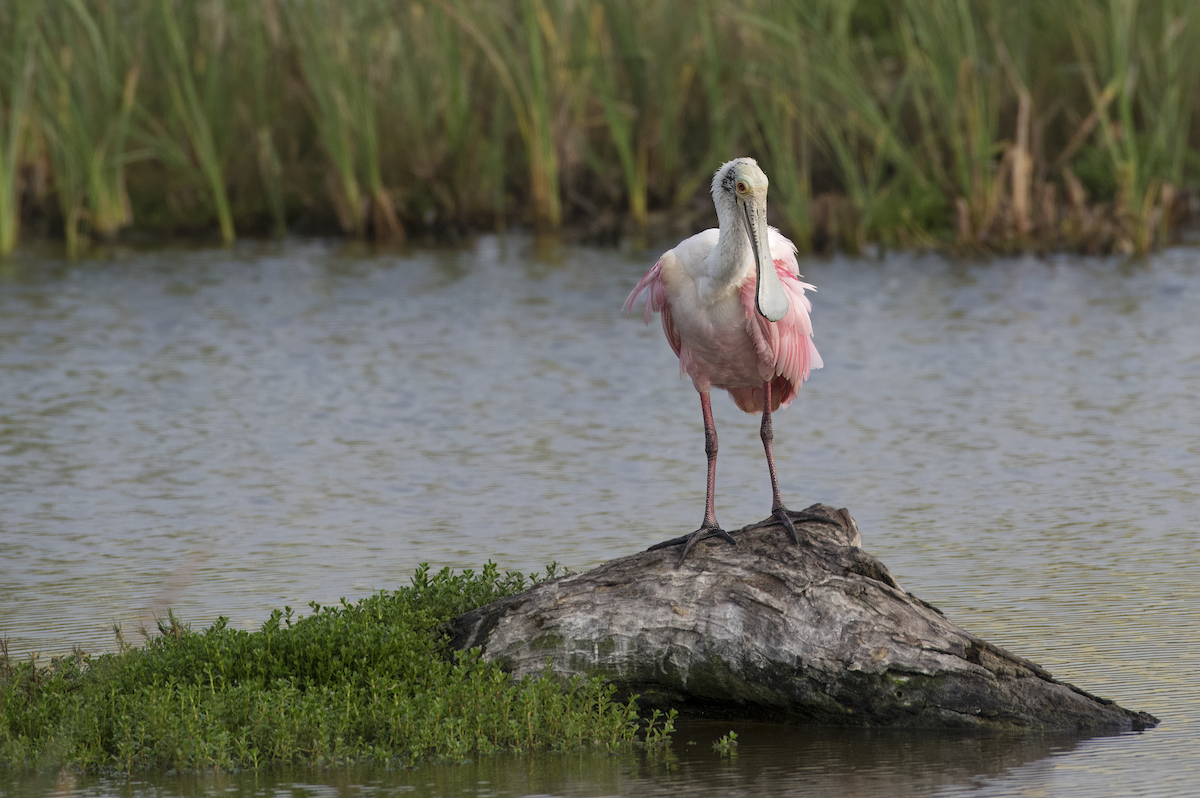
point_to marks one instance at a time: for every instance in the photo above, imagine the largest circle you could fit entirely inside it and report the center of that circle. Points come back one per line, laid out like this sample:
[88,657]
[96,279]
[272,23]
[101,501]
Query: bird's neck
[732,255]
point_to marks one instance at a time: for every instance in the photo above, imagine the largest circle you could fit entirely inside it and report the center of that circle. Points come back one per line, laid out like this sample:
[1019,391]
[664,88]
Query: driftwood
[769,630]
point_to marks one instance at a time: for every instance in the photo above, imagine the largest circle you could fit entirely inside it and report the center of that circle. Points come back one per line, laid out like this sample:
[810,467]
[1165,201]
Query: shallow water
[232,432]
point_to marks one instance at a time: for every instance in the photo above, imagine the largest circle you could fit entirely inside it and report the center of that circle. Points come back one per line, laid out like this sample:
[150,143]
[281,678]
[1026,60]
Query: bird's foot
[705,531]
[788,518]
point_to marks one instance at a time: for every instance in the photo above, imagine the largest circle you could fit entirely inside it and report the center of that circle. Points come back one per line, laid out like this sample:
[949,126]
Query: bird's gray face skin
[750,194]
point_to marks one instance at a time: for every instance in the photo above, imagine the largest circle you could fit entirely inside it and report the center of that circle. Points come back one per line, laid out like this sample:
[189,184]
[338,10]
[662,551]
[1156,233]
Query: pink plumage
[785,349]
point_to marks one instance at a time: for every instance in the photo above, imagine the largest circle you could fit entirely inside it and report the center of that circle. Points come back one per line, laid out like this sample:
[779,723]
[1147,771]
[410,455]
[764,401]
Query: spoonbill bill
[734,311]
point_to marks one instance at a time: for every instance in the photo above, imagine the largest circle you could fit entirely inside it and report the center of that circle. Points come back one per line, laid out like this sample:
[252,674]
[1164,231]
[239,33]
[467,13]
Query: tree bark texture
[814,633]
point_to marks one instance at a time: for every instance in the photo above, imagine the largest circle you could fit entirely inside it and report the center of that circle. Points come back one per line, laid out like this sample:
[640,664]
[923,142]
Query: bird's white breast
[709,316]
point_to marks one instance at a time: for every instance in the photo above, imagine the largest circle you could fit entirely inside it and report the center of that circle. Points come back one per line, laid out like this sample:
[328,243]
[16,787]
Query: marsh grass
[1140,64]
[192,43]
[17,21]
[782,101]
[454,139]
[531,46]
[347,53]
[264,107]
[973,124]
[621,67]
[370,681]
[86,106]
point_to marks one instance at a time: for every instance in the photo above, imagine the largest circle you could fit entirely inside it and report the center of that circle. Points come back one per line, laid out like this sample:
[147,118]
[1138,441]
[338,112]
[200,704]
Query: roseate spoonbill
[734,311]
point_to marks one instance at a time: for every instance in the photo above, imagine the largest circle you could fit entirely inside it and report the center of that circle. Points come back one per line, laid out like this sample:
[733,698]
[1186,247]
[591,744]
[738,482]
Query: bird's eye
[741,186]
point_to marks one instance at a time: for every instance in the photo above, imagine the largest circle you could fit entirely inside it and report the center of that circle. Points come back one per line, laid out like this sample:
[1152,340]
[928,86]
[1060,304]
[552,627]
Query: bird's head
[739,191]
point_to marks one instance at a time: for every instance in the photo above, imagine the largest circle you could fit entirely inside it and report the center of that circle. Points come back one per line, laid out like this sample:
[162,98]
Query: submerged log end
[769,630]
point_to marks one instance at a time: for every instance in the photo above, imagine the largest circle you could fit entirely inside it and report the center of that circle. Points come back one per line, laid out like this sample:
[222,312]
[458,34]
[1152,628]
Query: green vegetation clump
[726,745]
[998,124]
[369,682]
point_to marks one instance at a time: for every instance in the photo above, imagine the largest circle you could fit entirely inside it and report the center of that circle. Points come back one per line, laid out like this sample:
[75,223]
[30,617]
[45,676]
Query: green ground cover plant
[364,682]
[1000,125]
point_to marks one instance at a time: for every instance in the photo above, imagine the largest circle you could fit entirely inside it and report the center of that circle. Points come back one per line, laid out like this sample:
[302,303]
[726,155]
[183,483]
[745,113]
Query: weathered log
[769,630]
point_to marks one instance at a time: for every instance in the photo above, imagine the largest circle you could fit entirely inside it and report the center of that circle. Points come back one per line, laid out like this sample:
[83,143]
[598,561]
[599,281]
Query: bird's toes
[781,515]
[666,544]
[805,517]
[700,534]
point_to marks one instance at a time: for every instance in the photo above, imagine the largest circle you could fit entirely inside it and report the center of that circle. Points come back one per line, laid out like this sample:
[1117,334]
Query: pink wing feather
[785,348]
[656,302]
[786,352]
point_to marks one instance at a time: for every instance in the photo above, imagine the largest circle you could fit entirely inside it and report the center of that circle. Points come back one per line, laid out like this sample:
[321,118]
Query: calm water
[228,433]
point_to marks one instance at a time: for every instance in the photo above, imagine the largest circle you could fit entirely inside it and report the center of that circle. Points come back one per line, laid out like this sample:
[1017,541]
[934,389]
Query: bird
[734,311]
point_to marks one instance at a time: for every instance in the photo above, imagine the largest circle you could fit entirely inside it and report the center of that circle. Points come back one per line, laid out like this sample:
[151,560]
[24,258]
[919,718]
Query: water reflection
[769,761]
[231,432]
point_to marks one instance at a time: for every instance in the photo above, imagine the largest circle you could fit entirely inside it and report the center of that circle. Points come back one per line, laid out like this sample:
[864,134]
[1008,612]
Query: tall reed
[527,43]
[262,30]
[192,58]
[445,129]
[718,58]
[855,107]
[17,24]
[1140,63]
[957,94]
[781,96]
[347,52]
[620,79]
[88,83]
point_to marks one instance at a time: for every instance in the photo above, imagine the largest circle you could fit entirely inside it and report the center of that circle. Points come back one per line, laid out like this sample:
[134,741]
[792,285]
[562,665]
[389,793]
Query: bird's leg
[709,526]
[710,449]
[779,513]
